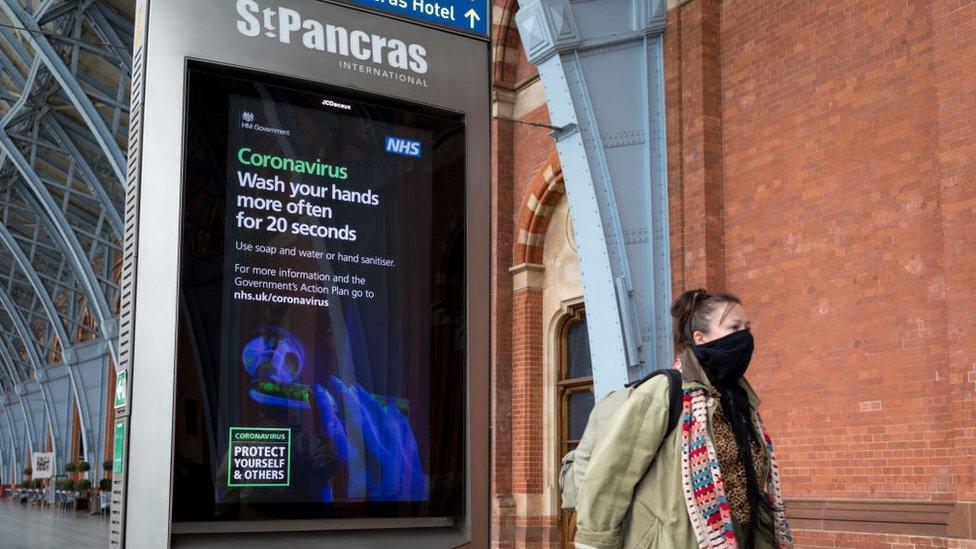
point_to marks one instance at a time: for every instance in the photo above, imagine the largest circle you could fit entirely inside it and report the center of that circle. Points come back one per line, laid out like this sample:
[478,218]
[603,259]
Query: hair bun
[691,311]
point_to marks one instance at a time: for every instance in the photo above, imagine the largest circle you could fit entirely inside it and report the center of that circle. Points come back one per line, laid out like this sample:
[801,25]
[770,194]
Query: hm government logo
[358,51]
[247,123]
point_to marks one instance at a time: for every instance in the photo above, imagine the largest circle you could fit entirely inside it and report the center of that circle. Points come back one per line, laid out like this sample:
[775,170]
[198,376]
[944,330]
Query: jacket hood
[692,372]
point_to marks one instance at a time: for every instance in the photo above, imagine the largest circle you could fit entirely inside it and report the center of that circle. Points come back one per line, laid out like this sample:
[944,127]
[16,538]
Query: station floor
[30,527]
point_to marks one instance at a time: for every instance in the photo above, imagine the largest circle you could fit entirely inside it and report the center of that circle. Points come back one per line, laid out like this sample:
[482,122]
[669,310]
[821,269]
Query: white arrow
[472,16]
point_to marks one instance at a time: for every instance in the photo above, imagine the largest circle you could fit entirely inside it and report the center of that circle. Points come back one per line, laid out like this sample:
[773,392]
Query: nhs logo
[402,146]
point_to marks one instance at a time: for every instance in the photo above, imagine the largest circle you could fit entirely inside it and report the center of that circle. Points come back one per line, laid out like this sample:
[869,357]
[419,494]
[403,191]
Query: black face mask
[725,359]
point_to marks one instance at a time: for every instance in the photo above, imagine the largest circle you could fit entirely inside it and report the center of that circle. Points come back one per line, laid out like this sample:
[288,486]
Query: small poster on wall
[43,464]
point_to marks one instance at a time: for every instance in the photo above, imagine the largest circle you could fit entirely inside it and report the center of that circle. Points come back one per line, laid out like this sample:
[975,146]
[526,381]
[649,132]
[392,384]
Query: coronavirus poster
[322,303]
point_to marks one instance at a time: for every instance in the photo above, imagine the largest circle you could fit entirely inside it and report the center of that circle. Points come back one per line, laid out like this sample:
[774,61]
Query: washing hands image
[375,451]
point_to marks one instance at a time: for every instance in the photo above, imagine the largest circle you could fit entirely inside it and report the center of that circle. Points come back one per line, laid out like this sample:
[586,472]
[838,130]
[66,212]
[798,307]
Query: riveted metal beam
[8,363]
[32,278]
[14,440]
[29,345]
[61,227]
[88,174]
[38,197]
[77,389]
[605,92]
[109,35]
[106,140]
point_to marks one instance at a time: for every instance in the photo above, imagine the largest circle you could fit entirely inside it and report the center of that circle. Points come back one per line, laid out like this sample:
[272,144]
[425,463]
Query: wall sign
[121,389]
[259,457]
[469,16]
[323,290]
[42,464]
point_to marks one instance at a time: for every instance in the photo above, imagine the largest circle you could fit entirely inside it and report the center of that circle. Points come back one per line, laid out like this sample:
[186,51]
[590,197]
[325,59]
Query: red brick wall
[953,57]
[833,239]
[820,161]
[823,540]
[843,212]
[533,147]
[694,137]
[527,391]
[520,152]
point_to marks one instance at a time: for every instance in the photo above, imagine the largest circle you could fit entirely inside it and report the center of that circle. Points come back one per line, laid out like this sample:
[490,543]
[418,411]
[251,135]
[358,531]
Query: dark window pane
[580,405]
[578,350]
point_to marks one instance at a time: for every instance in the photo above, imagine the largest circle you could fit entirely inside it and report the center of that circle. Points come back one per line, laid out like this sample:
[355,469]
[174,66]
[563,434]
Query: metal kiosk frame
[169,33]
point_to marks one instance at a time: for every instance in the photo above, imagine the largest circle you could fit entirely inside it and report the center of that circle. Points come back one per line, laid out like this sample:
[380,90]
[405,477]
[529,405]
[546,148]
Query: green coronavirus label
[259,457]
[119,448]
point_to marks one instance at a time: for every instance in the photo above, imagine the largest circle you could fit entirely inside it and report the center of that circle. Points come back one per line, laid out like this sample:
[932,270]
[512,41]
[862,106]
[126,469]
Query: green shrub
[105,485]
[84,466]
[82,485]
[107,465]
[28,471]
[71,467]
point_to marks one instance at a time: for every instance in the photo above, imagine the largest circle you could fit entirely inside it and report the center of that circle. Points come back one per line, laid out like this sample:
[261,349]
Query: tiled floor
[26,527]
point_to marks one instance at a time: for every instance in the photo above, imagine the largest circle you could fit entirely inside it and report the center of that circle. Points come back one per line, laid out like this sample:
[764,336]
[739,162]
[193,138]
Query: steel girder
[35,360]
[69,83]
[32,436]
[27,230]
[13,441]
[35,282]
[75,384]
[59,223]
[601,63]
[65,135]
[20,439]
[63,126]
[43,202]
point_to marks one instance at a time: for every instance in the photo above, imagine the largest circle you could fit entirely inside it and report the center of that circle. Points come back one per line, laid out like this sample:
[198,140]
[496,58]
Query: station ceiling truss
[65,68]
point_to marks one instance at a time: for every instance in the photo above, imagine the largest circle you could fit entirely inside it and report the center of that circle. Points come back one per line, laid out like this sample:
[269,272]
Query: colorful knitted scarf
[708,506]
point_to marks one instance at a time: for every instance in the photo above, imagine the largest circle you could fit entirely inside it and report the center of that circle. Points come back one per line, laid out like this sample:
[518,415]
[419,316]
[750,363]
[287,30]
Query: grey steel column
[601,63]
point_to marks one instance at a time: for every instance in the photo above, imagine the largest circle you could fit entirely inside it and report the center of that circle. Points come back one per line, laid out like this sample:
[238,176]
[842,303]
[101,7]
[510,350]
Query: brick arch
[545,191]
[505,41]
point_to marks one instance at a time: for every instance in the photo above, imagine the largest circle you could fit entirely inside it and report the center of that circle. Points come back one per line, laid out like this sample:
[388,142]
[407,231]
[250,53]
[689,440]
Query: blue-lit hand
[374,445]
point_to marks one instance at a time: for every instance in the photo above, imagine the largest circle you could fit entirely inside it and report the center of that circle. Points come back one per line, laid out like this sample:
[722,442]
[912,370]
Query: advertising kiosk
[304,325]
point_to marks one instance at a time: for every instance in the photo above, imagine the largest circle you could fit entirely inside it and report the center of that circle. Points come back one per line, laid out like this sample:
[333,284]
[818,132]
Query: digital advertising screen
[321,352]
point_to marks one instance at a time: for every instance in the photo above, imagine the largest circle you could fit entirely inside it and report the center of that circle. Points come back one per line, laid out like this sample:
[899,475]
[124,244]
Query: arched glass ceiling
[64,84]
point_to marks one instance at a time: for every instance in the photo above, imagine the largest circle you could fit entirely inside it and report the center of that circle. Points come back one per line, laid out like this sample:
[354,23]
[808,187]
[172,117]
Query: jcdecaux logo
[402,146]
[287,26]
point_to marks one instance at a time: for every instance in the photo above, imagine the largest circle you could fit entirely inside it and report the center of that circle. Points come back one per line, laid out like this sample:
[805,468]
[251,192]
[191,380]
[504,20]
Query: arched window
[575,387]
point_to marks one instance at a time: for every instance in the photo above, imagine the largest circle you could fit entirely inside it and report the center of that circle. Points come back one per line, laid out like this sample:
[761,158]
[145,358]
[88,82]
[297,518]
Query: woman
[713,481]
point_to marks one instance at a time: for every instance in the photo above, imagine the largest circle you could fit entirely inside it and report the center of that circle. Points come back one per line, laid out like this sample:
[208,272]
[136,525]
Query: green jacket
[632,495]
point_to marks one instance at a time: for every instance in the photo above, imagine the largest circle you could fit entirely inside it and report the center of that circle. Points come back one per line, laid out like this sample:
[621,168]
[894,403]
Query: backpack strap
[675,404]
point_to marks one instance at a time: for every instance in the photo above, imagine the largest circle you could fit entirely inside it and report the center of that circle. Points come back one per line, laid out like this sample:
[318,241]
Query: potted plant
[107,465]
[28,471]
[84,466]
[105,485]
[71,467]
[83,487]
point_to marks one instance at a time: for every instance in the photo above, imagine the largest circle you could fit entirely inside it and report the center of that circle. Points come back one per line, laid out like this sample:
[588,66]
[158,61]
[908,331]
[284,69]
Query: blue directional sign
[471,16]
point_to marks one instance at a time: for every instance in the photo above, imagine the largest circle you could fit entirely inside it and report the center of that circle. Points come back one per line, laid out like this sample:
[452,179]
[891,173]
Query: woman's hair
[693,311]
